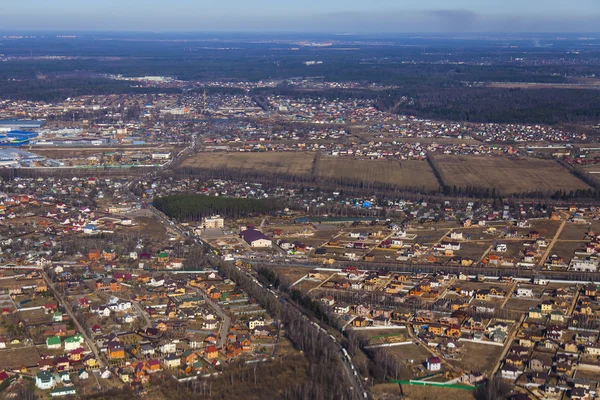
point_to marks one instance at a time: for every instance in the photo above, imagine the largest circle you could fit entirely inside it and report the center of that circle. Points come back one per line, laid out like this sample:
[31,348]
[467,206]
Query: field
[273,162]
[409,174]
[479,357]
[506,174]
[405,174]
[412,392]
[15,358]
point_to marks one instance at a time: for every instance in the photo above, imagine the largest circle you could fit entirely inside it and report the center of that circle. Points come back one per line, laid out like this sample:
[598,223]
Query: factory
[14,158]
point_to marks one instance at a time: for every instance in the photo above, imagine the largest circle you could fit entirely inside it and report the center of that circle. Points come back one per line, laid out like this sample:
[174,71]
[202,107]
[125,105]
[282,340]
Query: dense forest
[194,207]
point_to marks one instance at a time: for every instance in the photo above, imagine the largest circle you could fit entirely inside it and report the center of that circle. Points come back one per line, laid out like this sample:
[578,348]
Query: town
[209,230]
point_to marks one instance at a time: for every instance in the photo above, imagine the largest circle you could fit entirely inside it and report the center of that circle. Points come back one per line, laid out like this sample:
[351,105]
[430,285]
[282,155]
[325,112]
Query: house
[434,364]
[546,307]
[53,342]
[172,361]
[255,322]
[524,292]
[535,313]
[115,351]
[255,238]
[153,365]
[83,374]
[340,309]
[44,380]
[73,342]
[211,352]
[509,372]
[557,316]
[592,349]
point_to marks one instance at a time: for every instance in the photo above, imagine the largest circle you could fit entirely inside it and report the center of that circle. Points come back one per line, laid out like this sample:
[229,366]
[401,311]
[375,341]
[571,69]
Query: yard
[478,357]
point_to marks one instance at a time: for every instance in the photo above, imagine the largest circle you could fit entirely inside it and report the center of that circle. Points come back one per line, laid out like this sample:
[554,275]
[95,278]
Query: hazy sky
[304,15]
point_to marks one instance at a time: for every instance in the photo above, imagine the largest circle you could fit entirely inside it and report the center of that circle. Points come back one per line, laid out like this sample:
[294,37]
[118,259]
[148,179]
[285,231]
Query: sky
[343,16]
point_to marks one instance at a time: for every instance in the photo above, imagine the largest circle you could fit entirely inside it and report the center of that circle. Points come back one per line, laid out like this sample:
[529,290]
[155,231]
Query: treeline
[194,207]
[480,192]
[307,181]
[492,104]
[52,90]
[326,376]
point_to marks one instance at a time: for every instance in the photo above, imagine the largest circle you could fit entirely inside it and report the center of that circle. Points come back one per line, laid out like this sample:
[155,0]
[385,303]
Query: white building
[161,156]
[213,222]
[583,265]
[524,292]
[44,380]
[254,322]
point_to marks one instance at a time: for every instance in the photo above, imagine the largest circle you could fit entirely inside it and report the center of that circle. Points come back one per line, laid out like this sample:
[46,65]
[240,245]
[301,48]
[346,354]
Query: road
[143,313]
[323,329]
[508,343]
[551,245]
[67,307]
[225,321]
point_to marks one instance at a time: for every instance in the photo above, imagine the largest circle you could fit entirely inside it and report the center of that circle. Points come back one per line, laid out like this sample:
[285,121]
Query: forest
[426,77]
[194,207]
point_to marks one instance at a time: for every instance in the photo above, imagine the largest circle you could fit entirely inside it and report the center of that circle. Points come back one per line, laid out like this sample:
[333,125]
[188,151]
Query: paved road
[143,313]
[225,320]
[67,307]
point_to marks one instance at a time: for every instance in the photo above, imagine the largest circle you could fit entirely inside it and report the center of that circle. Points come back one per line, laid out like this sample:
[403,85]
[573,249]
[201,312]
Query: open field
[409,174]
[506,174]
[479,357]
[273,162]
[15,358]
[413,392]
[403,174]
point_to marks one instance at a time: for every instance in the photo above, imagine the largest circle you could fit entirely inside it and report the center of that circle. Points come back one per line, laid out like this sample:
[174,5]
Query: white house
[44,380]
[434,364]
[501,247]
[169,347]
[456,235]
[340,309]
[524,292]
[583,265]
[73,342]
[254,322]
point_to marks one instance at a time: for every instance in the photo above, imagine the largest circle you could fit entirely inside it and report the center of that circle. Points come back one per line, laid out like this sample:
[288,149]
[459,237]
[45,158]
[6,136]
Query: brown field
[390,391]
[14,358]
[275,162]
[507,175]
[479,357]
[410,174]
[407,174]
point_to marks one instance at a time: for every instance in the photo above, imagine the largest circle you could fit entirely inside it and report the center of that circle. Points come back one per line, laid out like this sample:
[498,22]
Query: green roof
[52,340]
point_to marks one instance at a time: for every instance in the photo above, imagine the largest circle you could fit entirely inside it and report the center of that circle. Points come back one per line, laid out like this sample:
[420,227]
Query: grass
[508,175]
